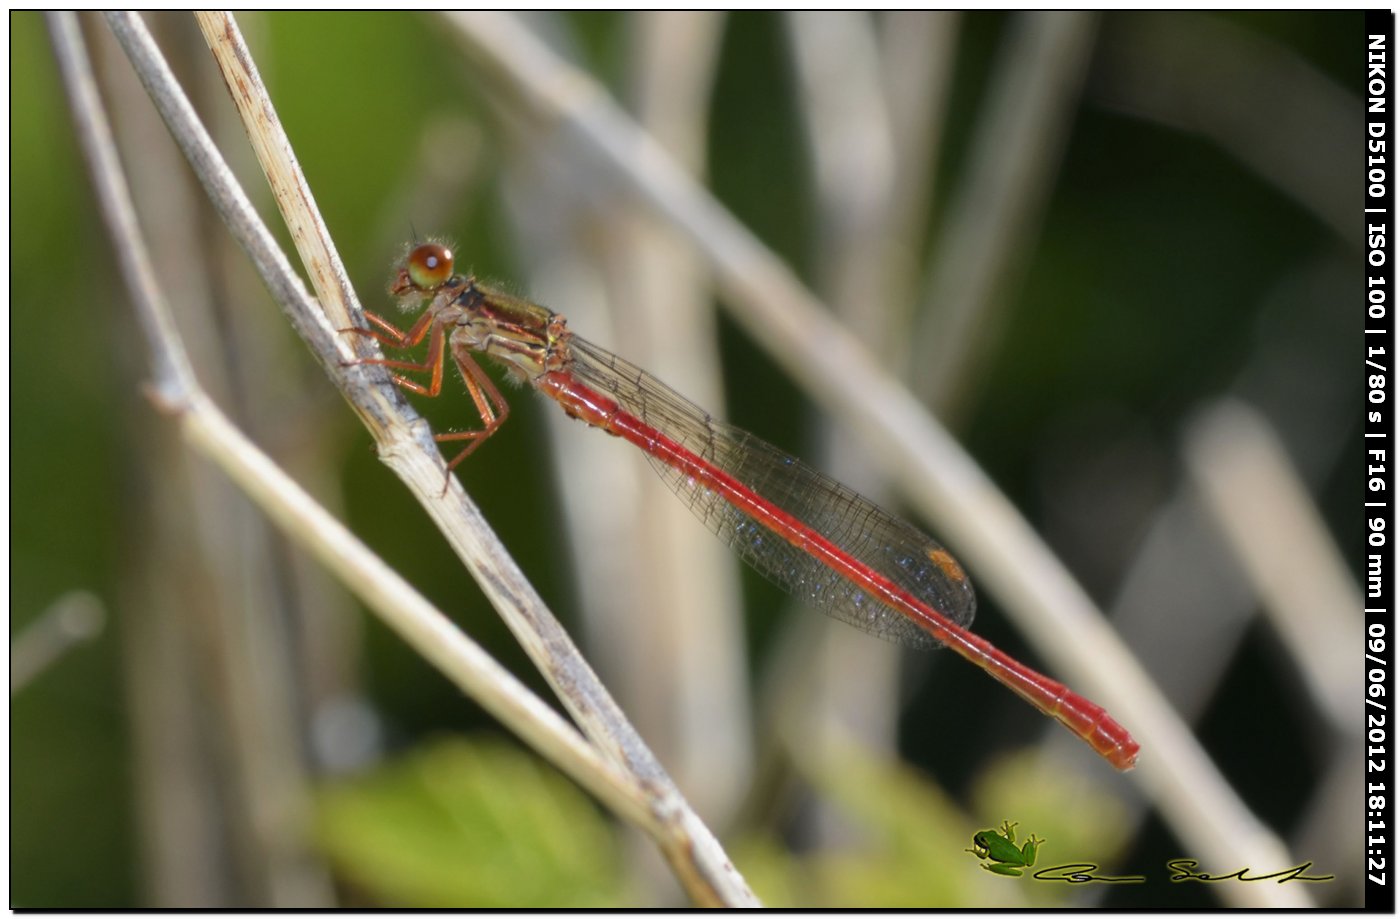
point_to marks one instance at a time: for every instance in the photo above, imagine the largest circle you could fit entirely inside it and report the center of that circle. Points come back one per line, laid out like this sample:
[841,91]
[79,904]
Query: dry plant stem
[995,210]
[274,151]
[851,145]
[932,470]
[850,141]
[72,620]
[205,540]
[535,628]
[687,844]
[233,205]
[918,49]
[871,168]
[662,298]
[270,836]
[425,628]
[1281,542]
[96,142]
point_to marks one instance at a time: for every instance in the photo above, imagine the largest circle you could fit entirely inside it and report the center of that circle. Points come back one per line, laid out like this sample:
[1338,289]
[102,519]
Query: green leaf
[475,823]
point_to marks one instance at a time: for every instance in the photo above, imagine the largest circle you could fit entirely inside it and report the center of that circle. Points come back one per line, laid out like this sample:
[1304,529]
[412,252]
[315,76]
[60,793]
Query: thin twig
[404,443]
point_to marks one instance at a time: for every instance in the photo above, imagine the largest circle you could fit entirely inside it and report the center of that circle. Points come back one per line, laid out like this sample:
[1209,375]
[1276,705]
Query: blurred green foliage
[905,840]
[480,823]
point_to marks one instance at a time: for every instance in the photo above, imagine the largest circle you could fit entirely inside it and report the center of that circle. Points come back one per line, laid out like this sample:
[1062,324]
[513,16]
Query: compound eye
[429,266]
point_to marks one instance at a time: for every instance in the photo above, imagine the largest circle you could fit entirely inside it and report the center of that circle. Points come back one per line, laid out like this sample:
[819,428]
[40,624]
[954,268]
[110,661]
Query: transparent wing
[876,538]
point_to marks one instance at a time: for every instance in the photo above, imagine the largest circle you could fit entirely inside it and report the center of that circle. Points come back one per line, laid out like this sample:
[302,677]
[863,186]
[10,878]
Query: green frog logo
[998,849]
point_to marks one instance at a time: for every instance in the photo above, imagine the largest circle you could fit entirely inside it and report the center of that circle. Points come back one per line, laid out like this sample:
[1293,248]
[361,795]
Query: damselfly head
[425,268]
